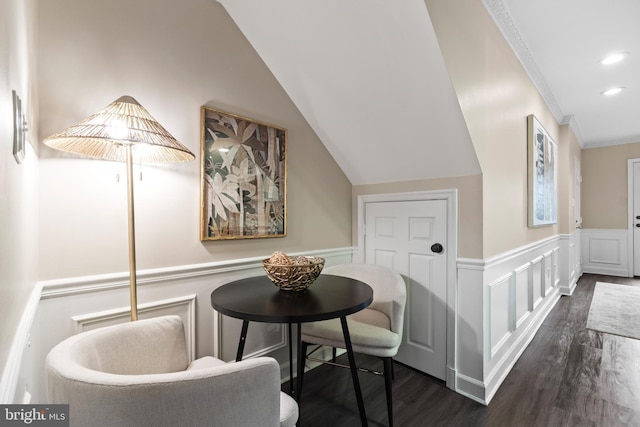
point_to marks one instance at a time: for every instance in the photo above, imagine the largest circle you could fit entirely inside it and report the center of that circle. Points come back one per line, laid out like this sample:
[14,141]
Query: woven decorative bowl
[297,276]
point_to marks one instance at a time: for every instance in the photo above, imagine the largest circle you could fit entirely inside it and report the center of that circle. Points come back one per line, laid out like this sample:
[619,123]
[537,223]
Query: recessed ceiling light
[616,57]
[612,91]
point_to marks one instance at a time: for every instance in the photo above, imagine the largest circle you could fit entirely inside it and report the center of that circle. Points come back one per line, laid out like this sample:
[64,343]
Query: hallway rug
[615,309]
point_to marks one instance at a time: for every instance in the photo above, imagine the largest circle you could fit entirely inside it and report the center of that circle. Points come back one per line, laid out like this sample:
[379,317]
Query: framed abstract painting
[243,177]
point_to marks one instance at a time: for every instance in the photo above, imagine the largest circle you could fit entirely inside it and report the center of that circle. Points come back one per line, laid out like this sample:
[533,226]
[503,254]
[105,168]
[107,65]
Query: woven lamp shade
[123,131]
[123,122]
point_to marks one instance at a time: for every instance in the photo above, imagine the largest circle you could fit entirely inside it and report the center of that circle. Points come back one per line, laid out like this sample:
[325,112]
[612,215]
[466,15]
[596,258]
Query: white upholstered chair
[376,330]
[138,374]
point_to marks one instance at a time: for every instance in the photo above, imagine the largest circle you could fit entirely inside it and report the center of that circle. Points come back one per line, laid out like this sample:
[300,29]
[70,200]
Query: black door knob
[437,247]
[637,216]
[638,225]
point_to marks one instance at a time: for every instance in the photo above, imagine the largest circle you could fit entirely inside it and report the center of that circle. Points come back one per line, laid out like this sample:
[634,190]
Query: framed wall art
[542,175]
[243,177]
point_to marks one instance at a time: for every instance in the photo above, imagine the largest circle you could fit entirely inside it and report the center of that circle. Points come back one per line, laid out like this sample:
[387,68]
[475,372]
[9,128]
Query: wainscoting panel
[500,320]
[605,251]
[575,259]
[520,287]
[262,338]
[547,274]
[523,293]
[555,264]
[536,280]
[494,319]
[67,306]
[185,307]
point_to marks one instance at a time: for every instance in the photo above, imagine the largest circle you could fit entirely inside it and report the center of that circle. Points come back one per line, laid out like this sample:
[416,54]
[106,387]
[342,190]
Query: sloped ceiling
[369,78]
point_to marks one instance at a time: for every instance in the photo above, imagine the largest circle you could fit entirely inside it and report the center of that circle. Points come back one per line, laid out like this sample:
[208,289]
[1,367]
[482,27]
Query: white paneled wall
[519,288]
[65,307]
[605,252]
[500,294]
[501,303]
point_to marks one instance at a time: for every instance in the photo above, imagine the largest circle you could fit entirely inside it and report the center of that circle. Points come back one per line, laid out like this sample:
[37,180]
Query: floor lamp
[122,131]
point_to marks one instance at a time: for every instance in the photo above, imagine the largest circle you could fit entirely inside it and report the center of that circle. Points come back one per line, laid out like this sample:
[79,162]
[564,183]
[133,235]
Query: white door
[636,218]
[577,214]
[577,192]
[404,236]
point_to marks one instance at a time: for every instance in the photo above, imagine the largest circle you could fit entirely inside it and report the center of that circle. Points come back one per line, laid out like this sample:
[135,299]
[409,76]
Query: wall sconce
[19,128]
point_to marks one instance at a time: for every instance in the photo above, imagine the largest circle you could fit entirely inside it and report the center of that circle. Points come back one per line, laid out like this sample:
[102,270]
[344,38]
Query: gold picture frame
[243,177]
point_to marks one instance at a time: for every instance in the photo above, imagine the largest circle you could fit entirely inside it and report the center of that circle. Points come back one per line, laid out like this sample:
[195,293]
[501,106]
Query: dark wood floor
[568,376]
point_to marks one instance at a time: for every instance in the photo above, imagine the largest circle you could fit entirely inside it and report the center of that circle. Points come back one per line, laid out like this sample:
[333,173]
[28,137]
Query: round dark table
[257,299]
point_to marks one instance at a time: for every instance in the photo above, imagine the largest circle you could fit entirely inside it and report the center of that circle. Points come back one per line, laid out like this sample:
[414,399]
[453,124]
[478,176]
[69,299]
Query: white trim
[597,242]
[503,21]
[611,142]
[20,342]
[21,364]
[518,272]
[471,264]
[99,319]
[507,279]
[526,263]
[451,198]
[471,388]
[630,201]
[533,264]
[87,284]
[517,252]
[506,363]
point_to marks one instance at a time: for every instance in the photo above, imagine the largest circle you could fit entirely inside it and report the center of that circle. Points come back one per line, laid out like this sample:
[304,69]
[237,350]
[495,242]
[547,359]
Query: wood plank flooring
[567,376]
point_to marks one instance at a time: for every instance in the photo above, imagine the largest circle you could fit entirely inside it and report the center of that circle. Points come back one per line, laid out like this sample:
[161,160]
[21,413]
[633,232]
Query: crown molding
[575,128]
[608,143]
[503,21]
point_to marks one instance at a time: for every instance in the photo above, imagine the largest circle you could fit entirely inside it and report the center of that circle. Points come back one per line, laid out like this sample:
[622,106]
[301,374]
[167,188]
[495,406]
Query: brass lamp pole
[113,134]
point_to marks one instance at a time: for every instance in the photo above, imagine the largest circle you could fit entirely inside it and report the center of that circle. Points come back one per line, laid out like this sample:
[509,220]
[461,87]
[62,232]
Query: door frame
[451,197]
[630,202]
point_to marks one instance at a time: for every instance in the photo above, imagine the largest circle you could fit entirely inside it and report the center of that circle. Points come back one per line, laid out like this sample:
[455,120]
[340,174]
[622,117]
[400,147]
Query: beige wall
[469,206]
[604,185]
[18,182]
[173,58]
[496,96]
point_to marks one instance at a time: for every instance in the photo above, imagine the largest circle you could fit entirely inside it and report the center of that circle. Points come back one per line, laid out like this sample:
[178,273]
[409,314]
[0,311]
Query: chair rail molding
[58,308]
[79,285]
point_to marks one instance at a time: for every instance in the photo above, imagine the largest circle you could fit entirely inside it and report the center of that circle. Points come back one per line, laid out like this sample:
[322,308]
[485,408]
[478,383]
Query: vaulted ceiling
[369,77]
